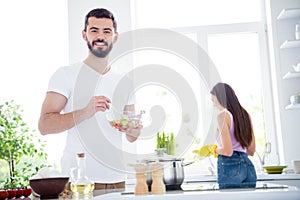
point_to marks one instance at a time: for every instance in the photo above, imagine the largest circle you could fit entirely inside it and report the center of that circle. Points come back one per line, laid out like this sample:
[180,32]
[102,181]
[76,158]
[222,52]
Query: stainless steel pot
[173,172]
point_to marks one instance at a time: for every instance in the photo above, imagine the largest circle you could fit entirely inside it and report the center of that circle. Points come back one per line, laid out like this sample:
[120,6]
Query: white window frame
[268,105]
[272,127]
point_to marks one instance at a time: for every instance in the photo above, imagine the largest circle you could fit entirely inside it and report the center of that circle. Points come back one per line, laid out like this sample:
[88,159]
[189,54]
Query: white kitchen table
[204,187]
[279,186]
[291,179]
[289,193]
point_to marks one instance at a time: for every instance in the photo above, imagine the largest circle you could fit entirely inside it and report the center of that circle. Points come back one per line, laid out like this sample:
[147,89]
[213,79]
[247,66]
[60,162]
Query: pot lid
[160,156]
[149,160]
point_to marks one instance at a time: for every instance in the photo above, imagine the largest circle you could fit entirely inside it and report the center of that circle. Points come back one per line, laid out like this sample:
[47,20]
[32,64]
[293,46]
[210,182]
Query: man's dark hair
[100,13]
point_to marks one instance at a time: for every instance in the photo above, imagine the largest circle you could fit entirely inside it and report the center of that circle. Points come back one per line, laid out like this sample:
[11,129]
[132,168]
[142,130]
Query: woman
[235,140]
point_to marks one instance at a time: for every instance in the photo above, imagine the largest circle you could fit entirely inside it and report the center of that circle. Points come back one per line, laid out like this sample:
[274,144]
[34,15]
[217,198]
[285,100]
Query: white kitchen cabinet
[287,14]
[290,44]
[291,74]
[292,106]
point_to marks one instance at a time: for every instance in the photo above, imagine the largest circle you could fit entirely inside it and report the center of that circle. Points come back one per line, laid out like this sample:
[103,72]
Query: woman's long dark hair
[243,130]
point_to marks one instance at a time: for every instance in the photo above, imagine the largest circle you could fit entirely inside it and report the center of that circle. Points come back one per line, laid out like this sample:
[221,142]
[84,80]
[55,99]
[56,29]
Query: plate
[274,169]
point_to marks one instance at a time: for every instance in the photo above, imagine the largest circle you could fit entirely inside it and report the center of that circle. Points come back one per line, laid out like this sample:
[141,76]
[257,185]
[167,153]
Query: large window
[179,13]
[232,33]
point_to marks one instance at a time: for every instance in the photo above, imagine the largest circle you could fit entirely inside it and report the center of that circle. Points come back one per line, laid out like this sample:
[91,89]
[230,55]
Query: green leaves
[19,147]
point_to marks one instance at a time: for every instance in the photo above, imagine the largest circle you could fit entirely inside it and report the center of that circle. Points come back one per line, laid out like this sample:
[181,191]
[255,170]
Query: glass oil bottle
[82,187]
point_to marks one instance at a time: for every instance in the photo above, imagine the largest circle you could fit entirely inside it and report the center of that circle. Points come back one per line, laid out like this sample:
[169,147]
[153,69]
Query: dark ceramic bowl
[47,188]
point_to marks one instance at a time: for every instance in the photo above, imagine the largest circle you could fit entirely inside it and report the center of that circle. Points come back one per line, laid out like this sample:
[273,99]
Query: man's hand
[96,104]
[132,134]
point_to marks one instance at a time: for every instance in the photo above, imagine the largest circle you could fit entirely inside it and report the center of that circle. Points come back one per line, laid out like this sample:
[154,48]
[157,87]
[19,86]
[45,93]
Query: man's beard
[98,52]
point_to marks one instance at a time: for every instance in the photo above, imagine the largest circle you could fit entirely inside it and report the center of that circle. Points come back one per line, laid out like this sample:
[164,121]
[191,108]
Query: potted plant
[21,152]
[167,142]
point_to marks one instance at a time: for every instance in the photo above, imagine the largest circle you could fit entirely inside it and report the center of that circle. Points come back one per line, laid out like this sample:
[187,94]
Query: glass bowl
[125,119]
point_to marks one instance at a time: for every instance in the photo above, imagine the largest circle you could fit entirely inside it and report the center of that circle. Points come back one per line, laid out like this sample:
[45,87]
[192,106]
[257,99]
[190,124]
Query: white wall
[34,43]
[77,11]
[288,121]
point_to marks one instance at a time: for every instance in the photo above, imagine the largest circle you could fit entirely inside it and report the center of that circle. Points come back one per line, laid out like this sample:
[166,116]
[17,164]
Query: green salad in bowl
[125,120]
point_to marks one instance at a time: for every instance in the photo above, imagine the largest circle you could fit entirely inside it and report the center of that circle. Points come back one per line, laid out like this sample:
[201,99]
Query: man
[78,97]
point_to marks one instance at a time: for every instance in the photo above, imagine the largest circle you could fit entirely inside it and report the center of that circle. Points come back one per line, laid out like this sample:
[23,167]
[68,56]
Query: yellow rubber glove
[207,150]
[213,150]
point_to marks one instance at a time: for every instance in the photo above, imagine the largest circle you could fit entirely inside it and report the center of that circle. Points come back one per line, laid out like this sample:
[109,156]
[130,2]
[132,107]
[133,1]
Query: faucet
[267,151]
[211,168]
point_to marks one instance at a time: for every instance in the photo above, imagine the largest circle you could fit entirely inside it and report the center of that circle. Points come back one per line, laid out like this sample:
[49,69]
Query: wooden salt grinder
[158,186]
[141,187]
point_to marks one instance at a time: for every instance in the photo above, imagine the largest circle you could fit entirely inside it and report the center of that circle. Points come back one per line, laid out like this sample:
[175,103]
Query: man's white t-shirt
[101,143]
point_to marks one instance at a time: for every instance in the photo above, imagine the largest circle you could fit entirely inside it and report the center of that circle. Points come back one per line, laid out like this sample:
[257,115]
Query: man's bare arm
[53,121]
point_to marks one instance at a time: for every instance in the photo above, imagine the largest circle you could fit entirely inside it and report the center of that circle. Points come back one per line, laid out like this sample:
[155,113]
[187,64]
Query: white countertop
[213,178]
[207,182]
[260,177]
[286,192]
[228,195]
[278,177]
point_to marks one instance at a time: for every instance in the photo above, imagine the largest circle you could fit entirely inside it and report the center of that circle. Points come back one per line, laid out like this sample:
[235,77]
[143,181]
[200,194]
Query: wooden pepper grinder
[158,186]
[141,187]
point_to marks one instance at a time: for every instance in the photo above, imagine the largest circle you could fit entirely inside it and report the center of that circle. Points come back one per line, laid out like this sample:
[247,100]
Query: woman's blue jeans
[236,171]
